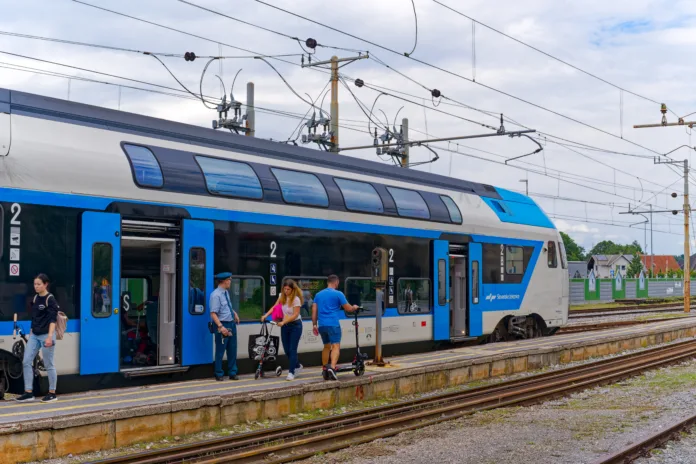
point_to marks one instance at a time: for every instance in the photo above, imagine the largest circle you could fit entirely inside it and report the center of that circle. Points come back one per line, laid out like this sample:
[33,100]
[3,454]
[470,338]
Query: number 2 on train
[16,209]
[273,249]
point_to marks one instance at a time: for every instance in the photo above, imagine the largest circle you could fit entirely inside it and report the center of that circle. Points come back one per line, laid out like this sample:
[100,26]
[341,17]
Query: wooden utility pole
[334,93]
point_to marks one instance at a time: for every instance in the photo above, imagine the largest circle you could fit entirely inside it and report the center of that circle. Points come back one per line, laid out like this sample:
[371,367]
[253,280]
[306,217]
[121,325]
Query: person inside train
[326,309]
[226,320]
[291,325]
[44,316]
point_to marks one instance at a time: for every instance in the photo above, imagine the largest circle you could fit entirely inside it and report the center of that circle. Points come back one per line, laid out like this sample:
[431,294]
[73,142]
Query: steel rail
[623,312]
[568,329]
[676,305]
[301,440]
[643,447]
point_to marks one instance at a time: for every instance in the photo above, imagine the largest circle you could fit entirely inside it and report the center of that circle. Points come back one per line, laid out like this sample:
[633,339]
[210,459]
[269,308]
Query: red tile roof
[661,263]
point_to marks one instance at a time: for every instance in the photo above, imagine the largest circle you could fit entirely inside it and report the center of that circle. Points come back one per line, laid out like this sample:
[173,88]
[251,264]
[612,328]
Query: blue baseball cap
[223,276]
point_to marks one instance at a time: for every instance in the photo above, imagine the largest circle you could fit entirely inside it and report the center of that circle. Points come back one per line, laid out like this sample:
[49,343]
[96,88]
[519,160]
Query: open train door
[99,282]
[197,253]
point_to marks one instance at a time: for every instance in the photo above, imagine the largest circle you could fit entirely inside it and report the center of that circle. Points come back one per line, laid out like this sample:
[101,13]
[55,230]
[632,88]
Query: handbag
[258,341]
[277,314]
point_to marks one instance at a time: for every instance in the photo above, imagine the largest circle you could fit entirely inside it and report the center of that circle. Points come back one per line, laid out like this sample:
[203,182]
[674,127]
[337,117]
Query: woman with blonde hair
[291,326]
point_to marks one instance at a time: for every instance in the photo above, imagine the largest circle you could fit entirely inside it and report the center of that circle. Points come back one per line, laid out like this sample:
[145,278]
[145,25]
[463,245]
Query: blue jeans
[36,343]
[228,345]
[290,334]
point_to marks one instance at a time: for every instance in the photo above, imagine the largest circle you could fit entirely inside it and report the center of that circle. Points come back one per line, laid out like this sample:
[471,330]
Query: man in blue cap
[226,320]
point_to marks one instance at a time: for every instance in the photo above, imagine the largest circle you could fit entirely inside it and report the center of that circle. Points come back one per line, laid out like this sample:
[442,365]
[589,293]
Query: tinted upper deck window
[146,169]
[230,178]
[360,196]
[301,188]
[455,214]
[409,203]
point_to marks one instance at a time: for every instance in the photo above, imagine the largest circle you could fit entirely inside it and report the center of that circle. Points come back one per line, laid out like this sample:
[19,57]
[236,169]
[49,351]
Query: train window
[409,203]
[134,298]
[455,214]
[414,296]
[505,264]
[197,281]
[360,196]
[441,282]
[230,178]
[301,188]
[247,296]
[552,256]
[475,282]
[310,286]
[564,257]
[361,291]
[102,259]
[146,170]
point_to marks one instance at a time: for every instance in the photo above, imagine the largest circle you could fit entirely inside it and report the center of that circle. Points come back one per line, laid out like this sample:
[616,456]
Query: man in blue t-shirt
[326,309]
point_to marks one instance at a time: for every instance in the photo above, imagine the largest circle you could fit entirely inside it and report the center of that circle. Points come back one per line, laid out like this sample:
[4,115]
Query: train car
[131,217]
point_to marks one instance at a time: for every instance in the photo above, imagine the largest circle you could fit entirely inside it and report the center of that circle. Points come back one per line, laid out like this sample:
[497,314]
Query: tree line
[606,247]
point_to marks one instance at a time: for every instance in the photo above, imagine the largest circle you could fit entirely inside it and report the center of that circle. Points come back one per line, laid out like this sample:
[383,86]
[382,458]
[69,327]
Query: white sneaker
[299,368]
[290,377]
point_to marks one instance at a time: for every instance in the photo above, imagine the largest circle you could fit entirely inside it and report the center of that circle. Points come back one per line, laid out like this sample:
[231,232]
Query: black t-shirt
[44,311]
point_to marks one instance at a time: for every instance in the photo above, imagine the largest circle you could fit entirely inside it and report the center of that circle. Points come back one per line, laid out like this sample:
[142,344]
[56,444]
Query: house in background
[660,263]
[577,269]
[603,265]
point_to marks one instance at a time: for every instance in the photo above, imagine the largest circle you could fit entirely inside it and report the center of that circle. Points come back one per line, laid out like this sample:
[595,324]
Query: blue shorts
[330,335]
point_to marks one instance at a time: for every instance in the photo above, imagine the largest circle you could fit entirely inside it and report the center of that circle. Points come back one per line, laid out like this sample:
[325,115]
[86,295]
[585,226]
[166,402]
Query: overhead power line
[373,87]
[455,74]
[549,55]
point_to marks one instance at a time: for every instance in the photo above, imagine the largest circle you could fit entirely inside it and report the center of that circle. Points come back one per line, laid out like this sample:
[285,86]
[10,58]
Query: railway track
[633,309]
[304,439]
[648,443]
[606,325]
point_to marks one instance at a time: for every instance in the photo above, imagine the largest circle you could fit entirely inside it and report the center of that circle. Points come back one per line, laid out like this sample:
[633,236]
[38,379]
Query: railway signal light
[379,265]
[189,56]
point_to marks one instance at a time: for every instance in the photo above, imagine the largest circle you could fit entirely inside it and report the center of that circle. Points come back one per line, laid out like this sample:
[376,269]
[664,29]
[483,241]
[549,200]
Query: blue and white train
[131,217]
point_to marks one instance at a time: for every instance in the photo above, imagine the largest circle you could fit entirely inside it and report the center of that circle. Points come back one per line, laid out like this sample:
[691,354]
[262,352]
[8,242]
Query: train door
[197,284]
[475,256]
[99,302]
[458,292]
[441,304]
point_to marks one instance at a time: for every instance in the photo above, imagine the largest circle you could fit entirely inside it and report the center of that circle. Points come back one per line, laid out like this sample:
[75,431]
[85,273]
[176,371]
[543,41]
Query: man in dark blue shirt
[326,310]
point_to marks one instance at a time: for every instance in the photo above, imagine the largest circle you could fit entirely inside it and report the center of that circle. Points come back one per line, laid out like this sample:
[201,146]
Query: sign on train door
[197,283]
[99,299]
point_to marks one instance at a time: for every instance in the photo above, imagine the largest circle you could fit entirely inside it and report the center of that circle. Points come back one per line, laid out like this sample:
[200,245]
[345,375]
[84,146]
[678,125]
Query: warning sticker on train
[14,269]
[14,254]
[14,236]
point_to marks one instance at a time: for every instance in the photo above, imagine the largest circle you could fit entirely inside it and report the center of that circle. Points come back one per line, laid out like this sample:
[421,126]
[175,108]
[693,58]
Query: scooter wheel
[256,375]
[278,371]
[358,371]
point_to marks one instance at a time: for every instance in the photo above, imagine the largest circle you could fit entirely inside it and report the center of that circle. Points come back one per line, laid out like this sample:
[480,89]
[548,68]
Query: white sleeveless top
[289,310]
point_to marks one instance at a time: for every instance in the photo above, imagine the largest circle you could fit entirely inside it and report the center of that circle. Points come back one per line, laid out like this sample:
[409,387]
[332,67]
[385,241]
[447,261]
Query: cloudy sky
[641,46]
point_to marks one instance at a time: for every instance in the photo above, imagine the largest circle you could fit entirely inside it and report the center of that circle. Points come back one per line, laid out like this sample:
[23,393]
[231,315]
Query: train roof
[15,102]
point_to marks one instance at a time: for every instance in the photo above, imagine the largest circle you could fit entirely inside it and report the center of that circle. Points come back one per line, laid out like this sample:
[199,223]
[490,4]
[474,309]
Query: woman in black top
[44,313]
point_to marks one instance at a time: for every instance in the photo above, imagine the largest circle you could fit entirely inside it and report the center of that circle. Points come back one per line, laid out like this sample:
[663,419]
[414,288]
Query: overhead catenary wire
[375,87]
[622,89]
[455,74]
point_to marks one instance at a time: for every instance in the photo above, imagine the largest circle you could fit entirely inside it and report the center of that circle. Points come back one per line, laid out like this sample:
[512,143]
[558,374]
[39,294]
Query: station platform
[105,419]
